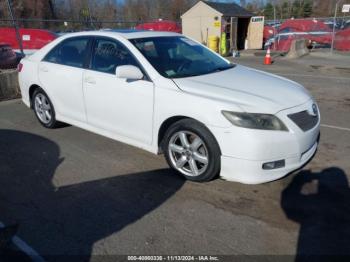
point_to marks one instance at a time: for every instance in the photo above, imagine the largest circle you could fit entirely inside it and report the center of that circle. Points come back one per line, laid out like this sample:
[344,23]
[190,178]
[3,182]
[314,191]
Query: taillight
[19,67]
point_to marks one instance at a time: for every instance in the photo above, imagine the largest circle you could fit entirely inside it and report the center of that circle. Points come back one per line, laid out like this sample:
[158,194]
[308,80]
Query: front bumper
[251,172]
[245,151]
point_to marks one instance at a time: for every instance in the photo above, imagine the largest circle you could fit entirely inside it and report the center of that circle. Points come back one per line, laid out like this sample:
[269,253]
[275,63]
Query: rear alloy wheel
[43,109]
[192,150]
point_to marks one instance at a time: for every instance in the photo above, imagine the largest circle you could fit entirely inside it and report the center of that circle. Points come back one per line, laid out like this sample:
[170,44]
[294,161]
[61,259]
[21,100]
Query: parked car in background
[166,93]
[32,39]
[273,24]
[342,40]
[317,32]
[305,25]
[330,24]
[269,33]
[161,25]
[8,58]
[281,42]
[346,25]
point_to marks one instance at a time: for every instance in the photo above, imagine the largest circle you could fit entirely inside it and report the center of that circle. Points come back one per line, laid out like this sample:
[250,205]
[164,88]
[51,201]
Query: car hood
[252,90]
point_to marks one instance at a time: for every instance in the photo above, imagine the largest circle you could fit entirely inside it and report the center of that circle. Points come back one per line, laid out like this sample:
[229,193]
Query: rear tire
[43,109]
[192,150]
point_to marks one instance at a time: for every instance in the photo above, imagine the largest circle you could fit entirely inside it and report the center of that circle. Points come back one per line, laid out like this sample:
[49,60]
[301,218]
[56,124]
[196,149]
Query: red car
[306,25]
[269,32]
[317,32]
[283,42]
[160,25]
[32,39]
[342,40]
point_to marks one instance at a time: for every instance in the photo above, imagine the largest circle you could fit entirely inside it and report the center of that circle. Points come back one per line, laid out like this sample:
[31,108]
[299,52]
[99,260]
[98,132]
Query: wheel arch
[165,126]
[32,89]
[170,121]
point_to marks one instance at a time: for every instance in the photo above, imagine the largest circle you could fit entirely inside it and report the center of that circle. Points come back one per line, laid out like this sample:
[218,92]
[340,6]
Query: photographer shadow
[68,220]
[320,203]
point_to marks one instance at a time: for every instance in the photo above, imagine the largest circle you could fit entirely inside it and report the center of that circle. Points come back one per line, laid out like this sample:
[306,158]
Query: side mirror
[129,72]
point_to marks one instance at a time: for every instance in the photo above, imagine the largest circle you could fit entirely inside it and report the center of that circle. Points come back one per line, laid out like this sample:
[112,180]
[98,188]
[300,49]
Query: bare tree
[323,7]
[52,8]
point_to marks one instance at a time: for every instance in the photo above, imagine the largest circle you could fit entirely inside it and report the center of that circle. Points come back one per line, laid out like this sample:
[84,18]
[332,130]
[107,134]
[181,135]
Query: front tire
[192,150]
[43,109]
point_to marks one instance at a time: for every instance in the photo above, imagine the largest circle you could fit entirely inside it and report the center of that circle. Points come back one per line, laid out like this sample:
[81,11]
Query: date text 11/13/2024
[173,258]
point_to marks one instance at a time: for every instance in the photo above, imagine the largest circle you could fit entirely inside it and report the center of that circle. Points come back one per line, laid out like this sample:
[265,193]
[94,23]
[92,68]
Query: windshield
[178,56]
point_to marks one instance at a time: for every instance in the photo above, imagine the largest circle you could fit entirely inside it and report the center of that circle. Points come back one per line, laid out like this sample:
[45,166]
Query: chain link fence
[321,33]
[27,35]
[66,26]
[325,33]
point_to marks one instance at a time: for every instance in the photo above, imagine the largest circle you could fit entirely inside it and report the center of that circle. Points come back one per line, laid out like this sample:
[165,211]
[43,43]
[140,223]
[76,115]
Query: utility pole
[14,23]
[274,26]
[334,25]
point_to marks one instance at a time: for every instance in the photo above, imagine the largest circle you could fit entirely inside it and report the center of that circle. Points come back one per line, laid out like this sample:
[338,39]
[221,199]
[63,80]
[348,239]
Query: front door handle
[44,69]
[90,80]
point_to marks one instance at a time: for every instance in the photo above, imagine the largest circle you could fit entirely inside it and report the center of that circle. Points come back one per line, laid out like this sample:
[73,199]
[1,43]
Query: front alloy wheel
[188,153]
[192,150]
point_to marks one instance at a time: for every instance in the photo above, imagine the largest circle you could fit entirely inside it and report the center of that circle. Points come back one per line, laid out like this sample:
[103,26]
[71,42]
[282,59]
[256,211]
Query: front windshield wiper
[222,68]
[218,69]
[185,75]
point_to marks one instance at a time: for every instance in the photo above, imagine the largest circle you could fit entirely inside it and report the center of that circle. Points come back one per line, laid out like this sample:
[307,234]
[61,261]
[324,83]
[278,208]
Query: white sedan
[166,93]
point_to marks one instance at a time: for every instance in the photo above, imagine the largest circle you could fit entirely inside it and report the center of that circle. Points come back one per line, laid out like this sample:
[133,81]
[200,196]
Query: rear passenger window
[71,52]
[109,54]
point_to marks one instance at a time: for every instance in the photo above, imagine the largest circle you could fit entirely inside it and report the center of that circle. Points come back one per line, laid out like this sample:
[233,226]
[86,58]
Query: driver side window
[109,54]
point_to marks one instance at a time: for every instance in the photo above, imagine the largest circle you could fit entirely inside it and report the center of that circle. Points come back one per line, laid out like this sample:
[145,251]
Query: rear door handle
[90,80]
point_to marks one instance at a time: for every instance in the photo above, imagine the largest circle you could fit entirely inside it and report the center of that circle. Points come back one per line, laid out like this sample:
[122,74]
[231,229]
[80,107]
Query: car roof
[127,34]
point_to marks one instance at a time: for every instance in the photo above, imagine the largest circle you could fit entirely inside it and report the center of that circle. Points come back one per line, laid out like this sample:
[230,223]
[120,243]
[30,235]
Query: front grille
[304,120]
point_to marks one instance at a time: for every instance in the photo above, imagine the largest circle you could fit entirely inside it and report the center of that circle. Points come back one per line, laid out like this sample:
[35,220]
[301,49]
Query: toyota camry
[168,94]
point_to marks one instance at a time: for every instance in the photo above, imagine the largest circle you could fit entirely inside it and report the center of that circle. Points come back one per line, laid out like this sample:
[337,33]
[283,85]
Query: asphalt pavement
[78,195]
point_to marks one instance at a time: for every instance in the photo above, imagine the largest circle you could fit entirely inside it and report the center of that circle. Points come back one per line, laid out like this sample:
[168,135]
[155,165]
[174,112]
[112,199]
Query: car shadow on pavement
[68,220]
[320,203]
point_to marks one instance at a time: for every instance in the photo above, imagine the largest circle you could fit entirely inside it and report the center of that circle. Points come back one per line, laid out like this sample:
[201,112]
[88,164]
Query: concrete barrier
[9,87]
[298,48]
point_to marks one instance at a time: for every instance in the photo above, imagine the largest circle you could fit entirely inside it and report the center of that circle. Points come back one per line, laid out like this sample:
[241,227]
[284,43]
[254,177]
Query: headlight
[255,121]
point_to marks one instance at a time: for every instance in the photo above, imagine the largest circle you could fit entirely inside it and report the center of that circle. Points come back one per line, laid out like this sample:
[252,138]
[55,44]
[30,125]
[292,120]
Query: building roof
[229,9]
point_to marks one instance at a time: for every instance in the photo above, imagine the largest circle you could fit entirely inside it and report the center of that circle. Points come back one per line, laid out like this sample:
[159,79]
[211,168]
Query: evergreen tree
[285,10]
[301,8]
[250,7]
[296,9]
[307,8]
[268,11]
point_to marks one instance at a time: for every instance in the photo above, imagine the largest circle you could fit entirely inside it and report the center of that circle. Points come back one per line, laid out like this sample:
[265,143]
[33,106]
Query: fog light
[274,165]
